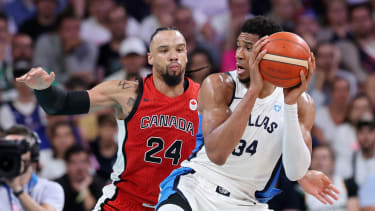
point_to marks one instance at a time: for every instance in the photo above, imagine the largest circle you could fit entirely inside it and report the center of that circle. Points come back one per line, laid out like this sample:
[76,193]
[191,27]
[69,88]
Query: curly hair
[261,26]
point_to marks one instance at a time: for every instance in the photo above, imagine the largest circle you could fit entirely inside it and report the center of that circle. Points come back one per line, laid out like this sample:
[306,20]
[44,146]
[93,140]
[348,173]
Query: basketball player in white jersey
[250,129]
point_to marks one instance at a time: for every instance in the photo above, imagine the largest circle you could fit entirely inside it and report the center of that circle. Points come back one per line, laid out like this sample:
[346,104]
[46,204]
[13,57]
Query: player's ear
[150,59]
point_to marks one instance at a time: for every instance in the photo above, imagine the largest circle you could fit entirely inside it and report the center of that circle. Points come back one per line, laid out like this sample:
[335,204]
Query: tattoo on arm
[124,85]
[131,102]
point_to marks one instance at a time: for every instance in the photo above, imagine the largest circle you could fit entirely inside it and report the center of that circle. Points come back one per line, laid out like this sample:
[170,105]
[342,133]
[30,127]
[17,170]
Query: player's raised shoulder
[216,89]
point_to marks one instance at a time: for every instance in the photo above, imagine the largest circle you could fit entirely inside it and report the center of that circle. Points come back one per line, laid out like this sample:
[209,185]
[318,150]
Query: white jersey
[254,165]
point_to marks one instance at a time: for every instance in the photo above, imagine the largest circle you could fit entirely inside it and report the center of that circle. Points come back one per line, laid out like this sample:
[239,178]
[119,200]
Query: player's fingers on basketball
[303,80]
[260,43]
[260,56]
[313,60]
[310,65]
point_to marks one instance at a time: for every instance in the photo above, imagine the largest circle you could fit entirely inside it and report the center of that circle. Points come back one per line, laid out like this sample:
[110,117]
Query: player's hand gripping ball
[287,54]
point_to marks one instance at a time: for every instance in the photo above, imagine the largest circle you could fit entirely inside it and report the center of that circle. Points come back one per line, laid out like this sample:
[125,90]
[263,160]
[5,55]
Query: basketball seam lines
[272,76]
[293,43]
[285,60]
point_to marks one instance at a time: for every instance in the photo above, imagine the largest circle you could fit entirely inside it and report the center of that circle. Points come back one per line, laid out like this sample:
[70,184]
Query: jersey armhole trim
[234,90]
[137,101]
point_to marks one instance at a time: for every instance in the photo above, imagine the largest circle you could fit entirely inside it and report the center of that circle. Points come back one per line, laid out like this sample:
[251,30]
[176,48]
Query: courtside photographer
[20,188]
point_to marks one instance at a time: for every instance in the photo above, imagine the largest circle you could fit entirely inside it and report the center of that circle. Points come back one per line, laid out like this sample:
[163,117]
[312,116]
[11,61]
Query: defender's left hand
[292,94]
[320,186]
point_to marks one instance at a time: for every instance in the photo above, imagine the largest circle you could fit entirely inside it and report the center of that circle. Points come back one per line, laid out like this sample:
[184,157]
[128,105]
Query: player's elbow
[295,175]
[217,158]
[296,172]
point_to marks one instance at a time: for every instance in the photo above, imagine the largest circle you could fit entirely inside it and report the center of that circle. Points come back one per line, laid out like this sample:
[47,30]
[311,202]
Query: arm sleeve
[296,155]
[352,187]
[56,101]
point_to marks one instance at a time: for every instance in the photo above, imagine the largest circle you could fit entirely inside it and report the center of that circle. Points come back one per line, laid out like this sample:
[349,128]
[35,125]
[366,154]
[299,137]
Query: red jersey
[154,139]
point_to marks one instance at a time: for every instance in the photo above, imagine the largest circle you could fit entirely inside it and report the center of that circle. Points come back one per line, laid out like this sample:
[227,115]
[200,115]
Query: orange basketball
[287,54]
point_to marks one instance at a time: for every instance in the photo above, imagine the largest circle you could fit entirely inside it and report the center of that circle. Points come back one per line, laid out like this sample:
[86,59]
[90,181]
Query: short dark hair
[73,150]
[65,16]
[3,16]
[53,128]
[261,26]
[106,119]
[328,147]
[365,123]
[169,28]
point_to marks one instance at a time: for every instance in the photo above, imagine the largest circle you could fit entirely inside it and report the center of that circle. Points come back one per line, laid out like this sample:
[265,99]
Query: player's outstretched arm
[56,101]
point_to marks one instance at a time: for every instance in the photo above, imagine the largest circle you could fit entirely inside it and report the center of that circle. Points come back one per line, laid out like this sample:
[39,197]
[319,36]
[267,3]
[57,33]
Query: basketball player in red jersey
[157,120]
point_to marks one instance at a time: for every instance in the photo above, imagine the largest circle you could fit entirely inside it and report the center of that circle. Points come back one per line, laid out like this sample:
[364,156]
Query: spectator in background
[369,89]
[45,19]
[162,12]
[284,12]
[364,37]
[104,147]
[185,23]
[77,8]
[363,161]
[24,109]
[336,22]
[52,160]
[20,11]
[5,40]
[330,117]
[82,190]
[367,193]
[323,159]
[307,26]
[227,25]
[327,70]
[27,191]
[109,58]
[198,59]
[65,52]
[209,7]
[345,142]
[94,28]
[133,60]
[6,80]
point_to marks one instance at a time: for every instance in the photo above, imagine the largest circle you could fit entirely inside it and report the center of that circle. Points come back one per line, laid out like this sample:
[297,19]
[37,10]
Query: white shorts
[201,194]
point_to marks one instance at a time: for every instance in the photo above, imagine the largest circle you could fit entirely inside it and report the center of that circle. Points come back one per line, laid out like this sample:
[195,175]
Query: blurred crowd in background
[88,41]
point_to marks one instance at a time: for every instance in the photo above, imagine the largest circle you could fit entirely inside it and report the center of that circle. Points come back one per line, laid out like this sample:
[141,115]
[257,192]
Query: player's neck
[267,90]
[170,91]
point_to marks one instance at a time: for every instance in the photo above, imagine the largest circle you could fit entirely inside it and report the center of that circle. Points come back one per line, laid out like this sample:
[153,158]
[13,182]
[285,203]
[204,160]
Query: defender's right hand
[37,78]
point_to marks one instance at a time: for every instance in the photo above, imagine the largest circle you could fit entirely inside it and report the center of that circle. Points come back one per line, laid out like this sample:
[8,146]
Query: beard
[171,80]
